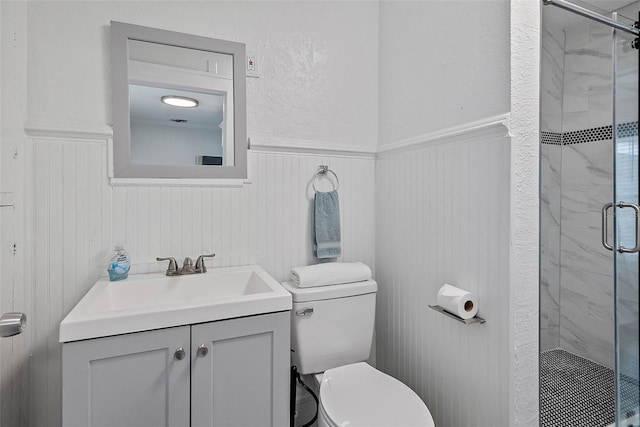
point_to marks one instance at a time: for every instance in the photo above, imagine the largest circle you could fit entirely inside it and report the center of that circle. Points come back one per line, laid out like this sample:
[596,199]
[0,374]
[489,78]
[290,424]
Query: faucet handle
[200,262]
[173,265]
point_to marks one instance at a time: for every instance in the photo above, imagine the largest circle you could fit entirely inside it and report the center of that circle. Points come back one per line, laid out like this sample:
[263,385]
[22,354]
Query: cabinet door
[243,380]
[127,380]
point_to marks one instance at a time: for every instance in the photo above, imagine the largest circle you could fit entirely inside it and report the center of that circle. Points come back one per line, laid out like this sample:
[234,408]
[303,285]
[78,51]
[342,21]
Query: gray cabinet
[244,378]
[127,380]
[234,373]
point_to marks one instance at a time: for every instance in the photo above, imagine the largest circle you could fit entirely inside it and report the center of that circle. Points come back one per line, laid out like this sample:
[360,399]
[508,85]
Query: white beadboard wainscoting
[73,218]
[14,372]
[442,216]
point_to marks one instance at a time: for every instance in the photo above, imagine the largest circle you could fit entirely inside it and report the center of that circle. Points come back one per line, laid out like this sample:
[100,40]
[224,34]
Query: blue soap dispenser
[119,264]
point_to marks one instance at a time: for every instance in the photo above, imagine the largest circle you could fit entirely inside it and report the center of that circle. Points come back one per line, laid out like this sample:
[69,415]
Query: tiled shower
[577,309]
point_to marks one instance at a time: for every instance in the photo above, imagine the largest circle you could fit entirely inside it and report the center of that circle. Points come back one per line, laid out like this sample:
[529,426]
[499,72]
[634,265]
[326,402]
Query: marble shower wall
[586,267]
[587,98]
[577,307]
[552,77]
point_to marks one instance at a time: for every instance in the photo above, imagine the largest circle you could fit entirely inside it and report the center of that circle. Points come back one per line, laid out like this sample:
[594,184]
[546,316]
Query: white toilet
[331,335]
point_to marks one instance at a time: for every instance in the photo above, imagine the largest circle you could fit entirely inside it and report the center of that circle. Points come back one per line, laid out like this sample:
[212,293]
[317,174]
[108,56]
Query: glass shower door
[626,240]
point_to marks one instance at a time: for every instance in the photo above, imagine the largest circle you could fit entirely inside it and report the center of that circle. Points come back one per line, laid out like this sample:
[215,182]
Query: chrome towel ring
[323,170]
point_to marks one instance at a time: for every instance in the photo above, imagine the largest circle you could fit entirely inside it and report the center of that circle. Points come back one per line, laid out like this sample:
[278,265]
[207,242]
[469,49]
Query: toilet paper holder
[12,324]
[476,319]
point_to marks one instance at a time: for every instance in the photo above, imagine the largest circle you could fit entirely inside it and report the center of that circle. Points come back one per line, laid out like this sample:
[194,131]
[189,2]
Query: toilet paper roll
[457,301]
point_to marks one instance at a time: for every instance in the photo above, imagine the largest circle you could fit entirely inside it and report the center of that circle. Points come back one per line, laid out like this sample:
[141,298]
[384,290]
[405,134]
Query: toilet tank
[331,326]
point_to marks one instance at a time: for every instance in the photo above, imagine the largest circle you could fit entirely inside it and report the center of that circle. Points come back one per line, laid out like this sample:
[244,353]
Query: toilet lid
[358,395]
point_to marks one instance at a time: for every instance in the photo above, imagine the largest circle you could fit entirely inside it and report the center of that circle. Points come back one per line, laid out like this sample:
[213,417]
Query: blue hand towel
[326,225]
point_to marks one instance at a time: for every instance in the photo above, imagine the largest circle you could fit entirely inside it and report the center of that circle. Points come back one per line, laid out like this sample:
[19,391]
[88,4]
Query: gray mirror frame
[122,166]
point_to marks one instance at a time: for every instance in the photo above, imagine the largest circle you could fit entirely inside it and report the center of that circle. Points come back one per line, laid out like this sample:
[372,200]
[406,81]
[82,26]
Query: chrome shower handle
[605,225]
[636,208]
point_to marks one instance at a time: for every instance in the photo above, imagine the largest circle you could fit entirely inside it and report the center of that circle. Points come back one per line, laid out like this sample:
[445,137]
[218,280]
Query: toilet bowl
[359,395]
[331,335]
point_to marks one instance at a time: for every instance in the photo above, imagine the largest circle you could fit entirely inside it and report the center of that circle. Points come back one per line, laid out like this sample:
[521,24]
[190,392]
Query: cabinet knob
[202,350]
[179,354]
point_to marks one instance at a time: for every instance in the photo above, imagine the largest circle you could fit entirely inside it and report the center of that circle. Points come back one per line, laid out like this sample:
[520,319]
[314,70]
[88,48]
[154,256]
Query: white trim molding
[498,125]
[101,133]
[72,131]
[296,146]
[169,182]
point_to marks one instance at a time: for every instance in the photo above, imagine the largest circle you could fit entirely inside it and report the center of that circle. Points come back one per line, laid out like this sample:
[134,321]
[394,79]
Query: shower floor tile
[578,392]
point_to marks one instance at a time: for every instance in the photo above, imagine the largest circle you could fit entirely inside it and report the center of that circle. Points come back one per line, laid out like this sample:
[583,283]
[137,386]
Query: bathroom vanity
[230,370]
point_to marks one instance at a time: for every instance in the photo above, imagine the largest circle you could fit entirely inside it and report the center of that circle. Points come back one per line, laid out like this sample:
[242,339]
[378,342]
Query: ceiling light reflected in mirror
[180,101]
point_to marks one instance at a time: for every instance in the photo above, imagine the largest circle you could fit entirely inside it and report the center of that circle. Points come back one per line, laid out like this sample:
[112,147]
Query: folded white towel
[330,273]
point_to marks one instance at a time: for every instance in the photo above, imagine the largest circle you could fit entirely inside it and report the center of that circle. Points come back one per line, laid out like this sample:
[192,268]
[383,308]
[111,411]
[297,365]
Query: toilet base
[322,418]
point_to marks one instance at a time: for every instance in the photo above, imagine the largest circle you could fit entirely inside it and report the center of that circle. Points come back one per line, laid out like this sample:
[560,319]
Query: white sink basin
[151,301]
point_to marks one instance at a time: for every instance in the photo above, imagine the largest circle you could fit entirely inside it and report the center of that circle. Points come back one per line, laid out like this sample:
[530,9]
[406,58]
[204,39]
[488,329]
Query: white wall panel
[430,76]
[14,351]
[76,217]
[68,203]
[443,217]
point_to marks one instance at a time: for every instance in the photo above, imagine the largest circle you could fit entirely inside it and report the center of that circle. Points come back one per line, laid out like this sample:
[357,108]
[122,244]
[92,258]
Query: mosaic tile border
[551,138]
[603,133]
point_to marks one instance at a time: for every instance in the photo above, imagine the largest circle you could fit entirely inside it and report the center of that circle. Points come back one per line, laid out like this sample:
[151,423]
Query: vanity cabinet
[226,373]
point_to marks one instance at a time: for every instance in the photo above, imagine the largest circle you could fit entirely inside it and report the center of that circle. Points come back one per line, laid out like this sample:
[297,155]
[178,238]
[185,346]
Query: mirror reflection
[181,105]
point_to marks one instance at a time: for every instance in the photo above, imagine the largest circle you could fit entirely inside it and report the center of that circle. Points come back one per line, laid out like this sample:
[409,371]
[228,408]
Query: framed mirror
[179,105]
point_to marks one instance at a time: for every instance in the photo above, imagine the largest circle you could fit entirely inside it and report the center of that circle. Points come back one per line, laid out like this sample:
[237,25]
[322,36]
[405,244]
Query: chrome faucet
[187,265]
[200,267]
[172,269]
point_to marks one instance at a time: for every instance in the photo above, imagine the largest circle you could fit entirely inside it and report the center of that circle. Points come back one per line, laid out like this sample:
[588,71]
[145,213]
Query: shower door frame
[621,253]
[625,258]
